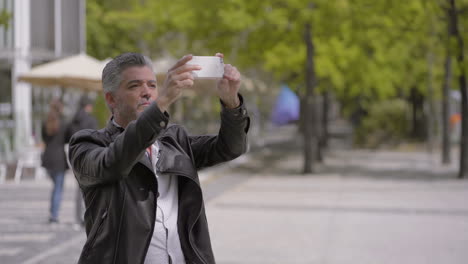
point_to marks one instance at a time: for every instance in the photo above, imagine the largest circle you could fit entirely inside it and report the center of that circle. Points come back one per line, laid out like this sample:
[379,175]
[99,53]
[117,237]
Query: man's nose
[145,90]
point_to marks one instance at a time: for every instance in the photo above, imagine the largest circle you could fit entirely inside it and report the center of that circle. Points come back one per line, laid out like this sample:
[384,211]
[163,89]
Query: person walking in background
[83,119]
[54,158]
[144,202]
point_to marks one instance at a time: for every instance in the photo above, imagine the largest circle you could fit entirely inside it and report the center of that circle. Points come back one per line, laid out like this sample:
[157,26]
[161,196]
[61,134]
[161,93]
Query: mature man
[139,176]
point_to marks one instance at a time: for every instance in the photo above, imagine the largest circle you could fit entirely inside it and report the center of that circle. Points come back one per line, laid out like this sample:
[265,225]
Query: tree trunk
[418,124]
[325,111]
[310,142]
[318,102]
[414,114]
[464,134]
[445,110]
[430,116]
[453,15]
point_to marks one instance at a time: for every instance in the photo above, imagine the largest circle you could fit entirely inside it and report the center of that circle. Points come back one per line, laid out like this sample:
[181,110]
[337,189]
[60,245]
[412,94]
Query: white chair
[29,158]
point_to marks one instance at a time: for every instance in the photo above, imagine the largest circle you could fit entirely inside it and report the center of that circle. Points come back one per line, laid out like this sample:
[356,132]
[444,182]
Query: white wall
[21,92]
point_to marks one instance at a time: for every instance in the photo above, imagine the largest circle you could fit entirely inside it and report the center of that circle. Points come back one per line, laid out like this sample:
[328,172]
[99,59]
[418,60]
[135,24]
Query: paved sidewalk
[361,207]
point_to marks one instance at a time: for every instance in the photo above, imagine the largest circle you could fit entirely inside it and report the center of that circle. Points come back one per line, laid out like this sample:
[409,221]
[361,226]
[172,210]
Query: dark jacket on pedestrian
[53,158]
[81,120]
[120,187]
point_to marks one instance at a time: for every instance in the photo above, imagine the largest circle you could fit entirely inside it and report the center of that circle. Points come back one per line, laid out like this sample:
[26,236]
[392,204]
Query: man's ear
[110,99]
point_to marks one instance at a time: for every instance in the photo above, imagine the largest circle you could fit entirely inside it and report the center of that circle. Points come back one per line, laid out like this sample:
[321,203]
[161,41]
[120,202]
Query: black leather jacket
[120,187]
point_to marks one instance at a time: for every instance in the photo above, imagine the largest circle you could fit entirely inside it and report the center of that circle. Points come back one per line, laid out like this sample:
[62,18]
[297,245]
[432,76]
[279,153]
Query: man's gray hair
[111,74]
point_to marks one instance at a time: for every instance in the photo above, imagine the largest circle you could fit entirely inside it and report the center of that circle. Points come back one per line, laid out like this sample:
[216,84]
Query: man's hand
[229,85]
[178,77]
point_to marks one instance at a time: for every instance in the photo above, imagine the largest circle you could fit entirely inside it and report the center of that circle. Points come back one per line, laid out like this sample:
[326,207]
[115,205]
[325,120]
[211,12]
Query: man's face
[136,91]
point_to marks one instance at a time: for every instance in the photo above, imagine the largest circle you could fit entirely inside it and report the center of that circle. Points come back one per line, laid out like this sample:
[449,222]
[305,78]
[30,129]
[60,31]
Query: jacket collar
[173,161]
[113,129]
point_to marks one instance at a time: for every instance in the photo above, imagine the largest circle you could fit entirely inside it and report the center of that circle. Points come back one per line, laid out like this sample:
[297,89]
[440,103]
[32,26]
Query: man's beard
[127,113]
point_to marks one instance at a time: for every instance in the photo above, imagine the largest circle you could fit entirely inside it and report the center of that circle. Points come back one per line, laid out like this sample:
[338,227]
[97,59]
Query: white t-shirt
[165,245]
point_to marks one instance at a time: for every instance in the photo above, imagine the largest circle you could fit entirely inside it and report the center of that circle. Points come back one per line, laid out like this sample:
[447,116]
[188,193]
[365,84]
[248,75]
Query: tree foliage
[5,17]
[366,50]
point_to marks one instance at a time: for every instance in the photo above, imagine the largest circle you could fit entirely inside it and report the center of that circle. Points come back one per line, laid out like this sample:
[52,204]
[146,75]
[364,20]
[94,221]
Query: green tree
[365,51]
[5,18]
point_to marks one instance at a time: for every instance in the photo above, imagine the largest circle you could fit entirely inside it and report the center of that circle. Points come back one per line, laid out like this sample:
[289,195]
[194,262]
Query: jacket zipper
[190,240]
[91,243]
[148,242]
[120,226]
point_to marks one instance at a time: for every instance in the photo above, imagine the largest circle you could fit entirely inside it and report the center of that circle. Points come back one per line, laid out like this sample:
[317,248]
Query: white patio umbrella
[78,71]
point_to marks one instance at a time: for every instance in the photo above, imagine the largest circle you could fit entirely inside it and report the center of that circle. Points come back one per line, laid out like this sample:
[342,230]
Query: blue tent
[286,109]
